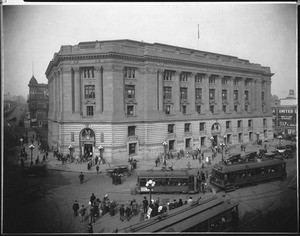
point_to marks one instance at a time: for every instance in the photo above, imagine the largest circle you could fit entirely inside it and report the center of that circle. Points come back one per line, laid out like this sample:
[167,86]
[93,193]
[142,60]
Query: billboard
[287,117]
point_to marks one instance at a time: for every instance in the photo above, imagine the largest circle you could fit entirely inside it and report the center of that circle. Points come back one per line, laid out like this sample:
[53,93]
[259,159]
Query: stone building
[126,98]
[38,100]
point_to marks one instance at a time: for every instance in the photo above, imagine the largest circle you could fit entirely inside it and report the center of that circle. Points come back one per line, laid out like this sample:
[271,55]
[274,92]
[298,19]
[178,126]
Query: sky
[261,33]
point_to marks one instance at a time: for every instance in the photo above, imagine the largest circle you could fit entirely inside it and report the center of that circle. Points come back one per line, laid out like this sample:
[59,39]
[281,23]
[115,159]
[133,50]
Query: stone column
[191,93]
[61,95]
[160,89]
[258,96]
[242,92]
[77,87]
[205,92]
[252,95]
[268,96]
[98,90]
[176,93]
[230,95]
[219,93]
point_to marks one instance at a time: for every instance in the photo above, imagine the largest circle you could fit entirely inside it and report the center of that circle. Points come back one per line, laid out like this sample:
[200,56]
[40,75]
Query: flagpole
[198,36]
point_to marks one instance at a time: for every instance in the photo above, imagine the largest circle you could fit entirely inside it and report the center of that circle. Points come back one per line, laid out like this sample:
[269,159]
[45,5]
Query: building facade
[127,98]
[38,103]
[285,115]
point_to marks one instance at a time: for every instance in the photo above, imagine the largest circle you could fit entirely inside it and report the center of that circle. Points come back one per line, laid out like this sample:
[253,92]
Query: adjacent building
[126,98]
[38,103]
[285,114]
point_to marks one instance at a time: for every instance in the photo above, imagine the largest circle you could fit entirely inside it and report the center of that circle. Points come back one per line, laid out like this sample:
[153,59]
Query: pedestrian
[96,160]
[92,215]
[75,208]
[92,198]
[134,207]
[44,158]
[97,169]
[112,206]
[190,200]
[82,212]
[180,202]
[90,228]
[81,177]
[119,178]
[37,160]
[128,212]
[142,214]
[145,205]
[122,212]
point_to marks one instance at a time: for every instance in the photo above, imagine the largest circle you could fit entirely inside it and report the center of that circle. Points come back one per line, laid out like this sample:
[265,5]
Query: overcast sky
[261,33]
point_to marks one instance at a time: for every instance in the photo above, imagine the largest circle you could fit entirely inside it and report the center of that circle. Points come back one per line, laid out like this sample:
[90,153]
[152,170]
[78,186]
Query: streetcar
[230,177]
[173,181]
[210,215]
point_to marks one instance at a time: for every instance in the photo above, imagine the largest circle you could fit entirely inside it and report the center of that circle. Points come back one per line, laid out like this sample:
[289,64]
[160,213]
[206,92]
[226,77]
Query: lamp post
[279,138]
[212,140]
[31,148]
[150,185]
[225,139]
[222,146]
[21,140]
[100,148]
[70,149]
[165,148]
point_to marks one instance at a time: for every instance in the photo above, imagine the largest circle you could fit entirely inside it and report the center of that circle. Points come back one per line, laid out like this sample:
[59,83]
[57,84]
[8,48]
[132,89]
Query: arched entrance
[87,142]
[215,132]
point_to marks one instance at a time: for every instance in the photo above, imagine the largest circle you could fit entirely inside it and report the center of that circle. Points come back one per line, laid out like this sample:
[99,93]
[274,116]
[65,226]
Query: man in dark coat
[145,205]
[75,208]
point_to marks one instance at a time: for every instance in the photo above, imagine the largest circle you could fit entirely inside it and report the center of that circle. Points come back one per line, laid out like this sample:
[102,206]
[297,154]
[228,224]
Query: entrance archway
[87,142]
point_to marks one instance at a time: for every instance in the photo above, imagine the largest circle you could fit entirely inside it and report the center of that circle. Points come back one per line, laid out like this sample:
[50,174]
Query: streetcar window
[143,182]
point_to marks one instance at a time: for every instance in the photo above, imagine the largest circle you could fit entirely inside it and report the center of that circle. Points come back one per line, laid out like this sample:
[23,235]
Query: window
[198,93]
[184,76]
[72,136]
[224,95]
[89,91]
[187,143]
[202,141]
[130,91]
[211,108]
[183,107]
[168,75]
[263,96]
[89,110]
[171,144]
[247,82]
[246,95]
[167,92]
[198,108]
[246,107]
[240,137]
[131,131]
[224,80]
[228,124]
[239,124]
[235,108]
[171,128]
[265,134]
[235,94]
[167,109]
[211,94]
[264,121]
[129,73]
[88,73]
[187,127]
[202,126]
[199,77]
[250,136]
[132,148]
[130,109]
[249,123]
[183,93]
[236,81]
[212,79]
[224,108]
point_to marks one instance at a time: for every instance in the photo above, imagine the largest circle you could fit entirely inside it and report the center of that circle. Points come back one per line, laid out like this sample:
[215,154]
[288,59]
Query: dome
[33,80]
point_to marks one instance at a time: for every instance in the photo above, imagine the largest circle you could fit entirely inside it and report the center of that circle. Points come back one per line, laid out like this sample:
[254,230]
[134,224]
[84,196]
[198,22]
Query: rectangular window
[224,95]
[211,94]
[131,131]
[171,128]
[183,93]
[168,75]
[246,107]
[239,124]
[129,91]
[183,107]
[199,77]
[202,141]
[171,144]
[187,127]
[88,73]
[240,137]
[211,108]
[187,143]
[130,110]
[89,110]
[168,109]
[264,121]
[198,108]
[228,124]
[89,91]
[202,126]
[224,80]
[263,96]
[249,123]
[224,108]
[235,94]
[265,134]
[198,93]
[129,73]
[235,108]
[250,136]
[184,77]
[212,79]
[167,92]
[246,95]
[236,81]
[132,148]
[72,136]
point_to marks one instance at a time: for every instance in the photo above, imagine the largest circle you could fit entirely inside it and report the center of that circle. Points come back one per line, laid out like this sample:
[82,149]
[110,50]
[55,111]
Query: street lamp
[70,149]
[21,140]
[212,139]
[100,148]
[225,138]
[150,185]
[279,138]
[31,148]
[222,146]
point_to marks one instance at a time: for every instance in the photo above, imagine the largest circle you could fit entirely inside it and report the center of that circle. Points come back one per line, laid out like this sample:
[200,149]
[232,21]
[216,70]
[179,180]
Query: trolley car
[229,177]
[210,215]
[175,181]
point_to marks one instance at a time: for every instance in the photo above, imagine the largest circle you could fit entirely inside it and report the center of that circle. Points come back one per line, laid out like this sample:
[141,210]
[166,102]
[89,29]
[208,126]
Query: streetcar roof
[167,173]
[185,217]
[245,166]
